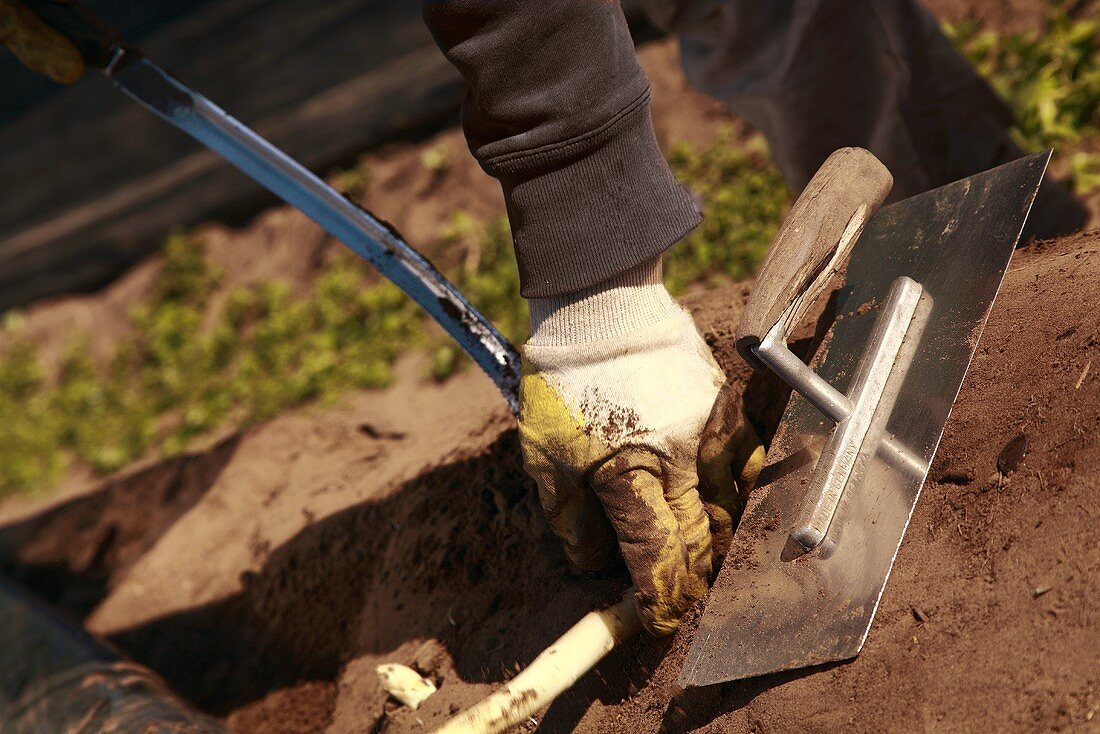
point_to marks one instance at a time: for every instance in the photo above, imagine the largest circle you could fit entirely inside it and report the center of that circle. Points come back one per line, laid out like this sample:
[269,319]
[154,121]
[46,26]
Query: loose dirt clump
[305,709]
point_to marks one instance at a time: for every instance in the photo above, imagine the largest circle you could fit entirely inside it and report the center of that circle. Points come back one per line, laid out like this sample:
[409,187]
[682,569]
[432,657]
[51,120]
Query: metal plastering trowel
[810,559]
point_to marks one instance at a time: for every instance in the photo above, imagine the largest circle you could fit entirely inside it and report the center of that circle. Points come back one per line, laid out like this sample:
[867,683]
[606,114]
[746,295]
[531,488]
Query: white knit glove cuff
[622,305]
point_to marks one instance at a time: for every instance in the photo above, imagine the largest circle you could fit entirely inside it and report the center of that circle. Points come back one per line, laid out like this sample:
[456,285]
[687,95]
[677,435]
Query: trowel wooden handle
[813,242]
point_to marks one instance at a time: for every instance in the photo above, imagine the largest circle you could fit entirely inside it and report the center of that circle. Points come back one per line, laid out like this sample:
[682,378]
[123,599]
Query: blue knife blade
[372,239]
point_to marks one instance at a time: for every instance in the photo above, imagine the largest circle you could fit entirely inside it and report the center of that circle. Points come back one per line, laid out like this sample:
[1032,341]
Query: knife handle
[812,244]
[96,41]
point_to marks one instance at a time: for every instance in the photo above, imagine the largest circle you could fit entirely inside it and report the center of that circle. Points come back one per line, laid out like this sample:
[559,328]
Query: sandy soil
[266,578]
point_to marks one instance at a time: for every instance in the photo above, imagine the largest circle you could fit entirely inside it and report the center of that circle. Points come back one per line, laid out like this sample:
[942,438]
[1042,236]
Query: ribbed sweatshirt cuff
[591,208]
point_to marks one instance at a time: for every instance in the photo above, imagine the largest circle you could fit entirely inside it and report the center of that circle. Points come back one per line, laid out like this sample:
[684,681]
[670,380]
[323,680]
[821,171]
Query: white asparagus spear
[405,684]
[552,672]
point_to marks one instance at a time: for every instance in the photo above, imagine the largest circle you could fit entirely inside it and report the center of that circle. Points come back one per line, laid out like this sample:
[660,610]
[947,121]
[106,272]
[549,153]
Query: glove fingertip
[752,467]
[69,72]
[657,618]
[661,610]
[589,557]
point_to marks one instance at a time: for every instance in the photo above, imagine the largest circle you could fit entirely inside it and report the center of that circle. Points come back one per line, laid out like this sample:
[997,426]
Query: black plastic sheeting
[24,89]
[57,678]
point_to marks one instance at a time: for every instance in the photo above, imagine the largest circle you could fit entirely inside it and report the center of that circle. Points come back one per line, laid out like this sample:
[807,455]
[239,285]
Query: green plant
[351,182]
[437,158]
[190,368]
[28,433]
[1050,77]
[743,199]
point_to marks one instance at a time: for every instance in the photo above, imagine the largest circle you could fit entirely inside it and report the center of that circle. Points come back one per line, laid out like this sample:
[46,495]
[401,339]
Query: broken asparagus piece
[552,672]
[405,684]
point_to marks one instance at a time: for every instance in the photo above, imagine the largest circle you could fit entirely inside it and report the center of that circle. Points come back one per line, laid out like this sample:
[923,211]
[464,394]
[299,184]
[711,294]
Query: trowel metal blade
[772,609]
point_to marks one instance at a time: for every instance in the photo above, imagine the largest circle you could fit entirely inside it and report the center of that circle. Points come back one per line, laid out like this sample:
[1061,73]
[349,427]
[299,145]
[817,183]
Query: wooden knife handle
[812,243]
[95,40]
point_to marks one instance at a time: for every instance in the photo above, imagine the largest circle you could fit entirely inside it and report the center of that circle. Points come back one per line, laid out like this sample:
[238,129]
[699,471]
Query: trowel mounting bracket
[854,413]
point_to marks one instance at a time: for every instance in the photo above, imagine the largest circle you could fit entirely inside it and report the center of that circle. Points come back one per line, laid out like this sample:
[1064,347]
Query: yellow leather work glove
[37,45]
[616,391]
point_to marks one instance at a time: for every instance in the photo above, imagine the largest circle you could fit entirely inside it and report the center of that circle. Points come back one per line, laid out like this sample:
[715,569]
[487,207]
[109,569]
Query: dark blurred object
[39,45]
[92,183]
[136,21]
[96,42]
[57,678]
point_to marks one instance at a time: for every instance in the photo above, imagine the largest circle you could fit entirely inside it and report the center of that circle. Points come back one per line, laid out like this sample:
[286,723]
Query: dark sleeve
[557,109]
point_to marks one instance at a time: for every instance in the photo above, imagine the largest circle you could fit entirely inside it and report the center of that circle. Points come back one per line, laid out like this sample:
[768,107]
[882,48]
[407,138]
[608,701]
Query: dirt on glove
[267,577]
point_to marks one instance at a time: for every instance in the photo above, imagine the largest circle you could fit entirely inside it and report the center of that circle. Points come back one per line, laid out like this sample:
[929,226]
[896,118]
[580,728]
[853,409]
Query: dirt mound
[266,578]
[989,621]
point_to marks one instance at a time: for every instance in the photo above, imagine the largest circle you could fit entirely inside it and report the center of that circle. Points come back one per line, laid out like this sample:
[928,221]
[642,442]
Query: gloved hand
[616,391]
[730,459]
[37,45]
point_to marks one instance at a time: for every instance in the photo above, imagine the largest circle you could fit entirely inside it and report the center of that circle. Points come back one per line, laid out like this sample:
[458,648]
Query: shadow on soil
[697,707]
[73,553]
[460,554]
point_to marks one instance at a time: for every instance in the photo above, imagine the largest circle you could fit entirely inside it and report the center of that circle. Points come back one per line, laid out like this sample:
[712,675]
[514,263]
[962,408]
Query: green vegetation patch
[195,365]
[743,199]
[1050,77]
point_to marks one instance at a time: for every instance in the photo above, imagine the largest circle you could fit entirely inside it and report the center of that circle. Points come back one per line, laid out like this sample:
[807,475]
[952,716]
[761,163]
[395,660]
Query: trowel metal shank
[810,560]
[887,354]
